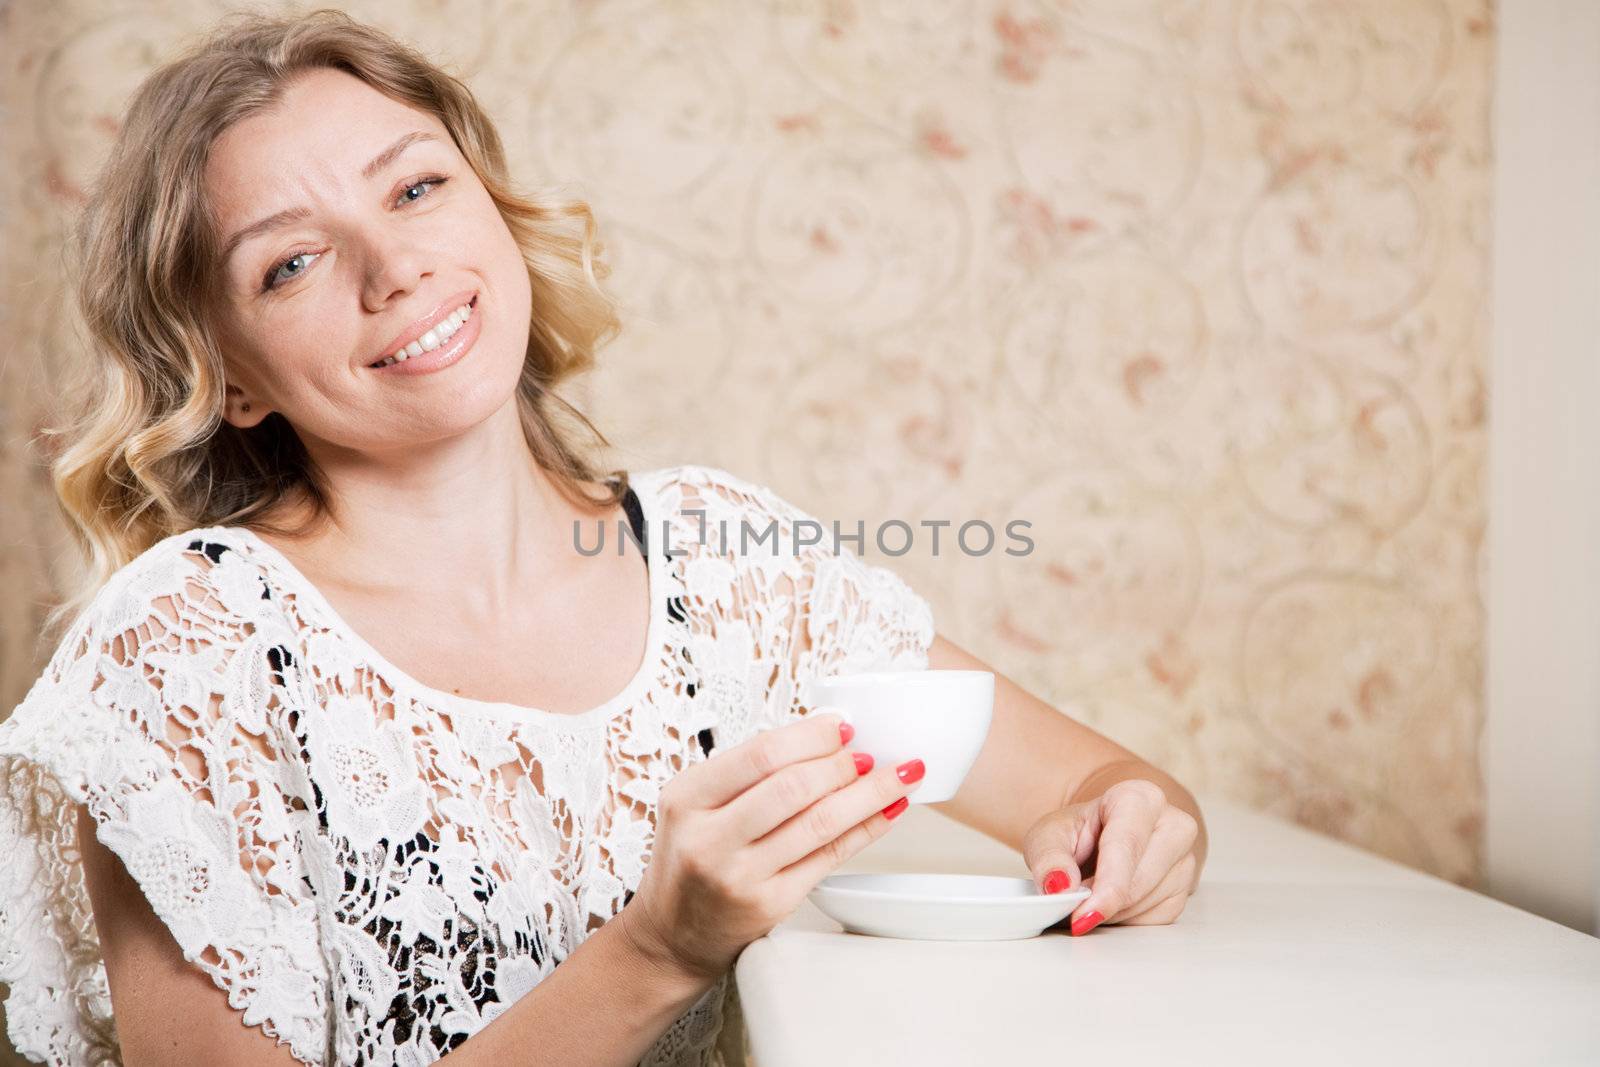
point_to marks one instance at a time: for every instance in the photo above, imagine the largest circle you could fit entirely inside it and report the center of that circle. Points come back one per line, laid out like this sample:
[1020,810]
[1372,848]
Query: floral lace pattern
[371,869]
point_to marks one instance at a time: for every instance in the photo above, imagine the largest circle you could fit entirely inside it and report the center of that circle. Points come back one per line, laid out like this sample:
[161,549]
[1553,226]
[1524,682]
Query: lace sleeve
[155,713]
[816,611]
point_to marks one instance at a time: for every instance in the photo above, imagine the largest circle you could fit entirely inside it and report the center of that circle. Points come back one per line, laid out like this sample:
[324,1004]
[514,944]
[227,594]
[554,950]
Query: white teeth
[433,338]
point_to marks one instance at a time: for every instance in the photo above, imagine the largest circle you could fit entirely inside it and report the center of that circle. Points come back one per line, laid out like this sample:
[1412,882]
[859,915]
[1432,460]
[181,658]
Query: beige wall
[1198,289]
[1542,744]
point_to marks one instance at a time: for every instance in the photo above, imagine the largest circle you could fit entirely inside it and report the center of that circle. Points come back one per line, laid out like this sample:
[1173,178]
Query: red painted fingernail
[894,810]
[1056,881]
[1086,923]
[863,763]
[910,771]
[846,732]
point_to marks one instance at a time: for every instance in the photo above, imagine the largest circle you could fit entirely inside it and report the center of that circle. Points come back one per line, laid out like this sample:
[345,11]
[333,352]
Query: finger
[1167,911]
[1166,866]
[1171,847]
[1051,846]
[1178,881]
[1170,841]
[728,774]
[1127,831]
[812,836]
[768,804]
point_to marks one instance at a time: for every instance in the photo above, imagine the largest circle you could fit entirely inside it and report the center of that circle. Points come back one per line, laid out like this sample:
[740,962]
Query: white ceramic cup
[938,716]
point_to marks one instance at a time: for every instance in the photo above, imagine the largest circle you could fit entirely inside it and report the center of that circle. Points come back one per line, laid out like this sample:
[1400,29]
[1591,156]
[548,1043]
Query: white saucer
[942,907]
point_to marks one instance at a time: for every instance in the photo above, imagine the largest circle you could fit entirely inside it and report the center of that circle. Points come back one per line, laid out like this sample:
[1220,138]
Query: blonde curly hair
[147,453]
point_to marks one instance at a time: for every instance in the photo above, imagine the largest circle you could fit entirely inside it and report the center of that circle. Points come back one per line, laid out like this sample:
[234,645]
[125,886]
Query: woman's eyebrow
[288,215]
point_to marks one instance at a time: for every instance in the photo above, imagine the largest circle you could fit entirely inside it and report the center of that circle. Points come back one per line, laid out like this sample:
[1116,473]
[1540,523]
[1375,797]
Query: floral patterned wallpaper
[1195,288]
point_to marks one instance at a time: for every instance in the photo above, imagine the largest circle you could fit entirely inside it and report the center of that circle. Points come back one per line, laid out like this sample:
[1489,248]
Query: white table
[1296,949]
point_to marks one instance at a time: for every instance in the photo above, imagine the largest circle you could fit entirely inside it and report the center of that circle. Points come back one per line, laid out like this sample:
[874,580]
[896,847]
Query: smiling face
[306,307]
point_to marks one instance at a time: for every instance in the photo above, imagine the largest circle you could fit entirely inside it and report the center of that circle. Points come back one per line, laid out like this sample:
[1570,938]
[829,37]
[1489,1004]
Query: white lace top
[370,868]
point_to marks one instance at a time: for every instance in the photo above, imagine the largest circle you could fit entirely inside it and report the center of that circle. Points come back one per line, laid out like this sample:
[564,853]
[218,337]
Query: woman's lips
[431,321]
[446,354]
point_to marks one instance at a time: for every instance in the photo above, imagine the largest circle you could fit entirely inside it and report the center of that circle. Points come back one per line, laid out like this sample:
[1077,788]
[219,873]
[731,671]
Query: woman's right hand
[743,837]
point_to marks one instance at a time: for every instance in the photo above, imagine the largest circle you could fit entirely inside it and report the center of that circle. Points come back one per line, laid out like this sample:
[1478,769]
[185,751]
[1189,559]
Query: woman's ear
[240,409]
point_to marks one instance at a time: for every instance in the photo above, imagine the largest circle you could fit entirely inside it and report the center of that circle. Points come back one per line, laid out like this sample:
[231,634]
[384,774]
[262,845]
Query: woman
[345,749]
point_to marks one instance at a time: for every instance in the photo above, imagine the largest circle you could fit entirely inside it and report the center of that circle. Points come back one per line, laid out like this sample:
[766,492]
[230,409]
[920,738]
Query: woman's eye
[276,277]
[406,196]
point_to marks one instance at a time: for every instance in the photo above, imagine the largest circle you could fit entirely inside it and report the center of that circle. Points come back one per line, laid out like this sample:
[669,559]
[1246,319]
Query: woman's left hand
[1144,855]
